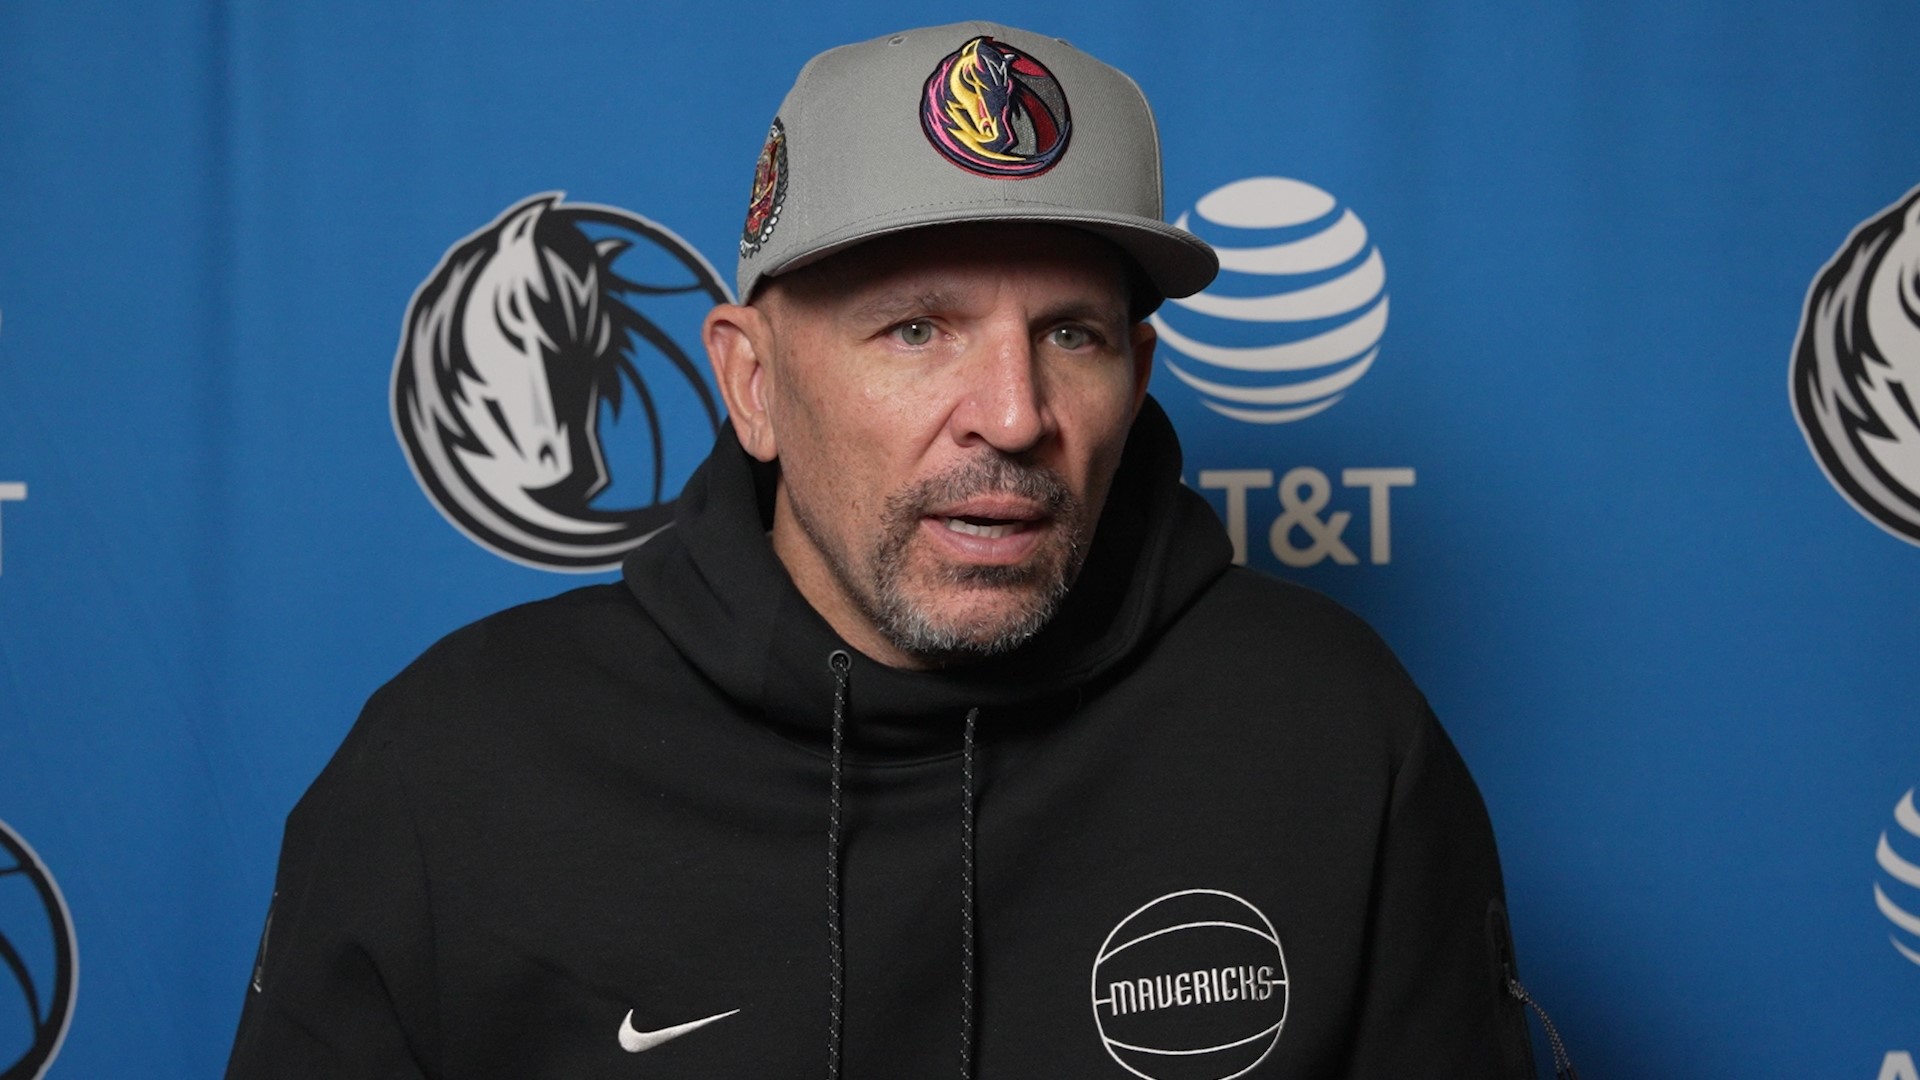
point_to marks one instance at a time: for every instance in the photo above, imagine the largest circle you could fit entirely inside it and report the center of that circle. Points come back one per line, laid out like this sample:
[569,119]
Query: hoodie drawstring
[842,665]
[1562,1064]
[967,758]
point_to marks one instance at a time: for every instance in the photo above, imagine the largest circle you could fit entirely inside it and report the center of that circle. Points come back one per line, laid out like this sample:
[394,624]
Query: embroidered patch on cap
[769,190]
[995,111]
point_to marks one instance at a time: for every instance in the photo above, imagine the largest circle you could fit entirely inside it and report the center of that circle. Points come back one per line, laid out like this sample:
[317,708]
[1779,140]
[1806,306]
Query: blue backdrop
[1531,331]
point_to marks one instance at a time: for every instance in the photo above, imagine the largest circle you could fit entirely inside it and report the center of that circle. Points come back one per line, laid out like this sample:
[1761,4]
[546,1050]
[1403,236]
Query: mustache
[985,476]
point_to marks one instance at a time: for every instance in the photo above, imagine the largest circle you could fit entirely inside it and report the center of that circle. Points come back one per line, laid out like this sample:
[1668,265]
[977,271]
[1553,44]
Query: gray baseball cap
[967,122]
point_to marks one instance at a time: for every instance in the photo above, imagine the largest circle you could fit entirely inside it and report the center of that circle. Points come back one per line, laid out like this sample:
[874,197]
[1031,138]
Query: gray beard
[911,629]
[882,593]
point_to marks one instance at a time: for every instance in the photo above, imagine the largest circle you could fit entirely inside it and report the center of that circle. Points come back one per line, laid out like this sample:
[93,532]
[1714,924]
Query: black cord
[1562,1064]
[967,988]
[841,664]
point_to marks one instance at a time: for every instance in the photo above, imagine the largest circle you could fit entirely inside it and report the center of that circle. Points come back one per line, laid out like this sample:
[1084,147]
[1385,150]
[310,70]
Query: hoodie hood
[714,586]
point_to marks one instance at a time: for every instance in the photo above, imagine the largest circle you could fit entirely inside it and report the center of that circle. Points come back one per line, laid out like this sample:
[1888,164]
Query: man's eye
[1072,337]
[917,332]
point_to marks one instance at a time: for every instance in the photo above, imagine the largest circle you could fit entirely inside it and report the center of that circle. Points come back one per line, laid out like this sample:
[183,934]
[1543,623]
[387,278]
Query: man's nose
[1004,403]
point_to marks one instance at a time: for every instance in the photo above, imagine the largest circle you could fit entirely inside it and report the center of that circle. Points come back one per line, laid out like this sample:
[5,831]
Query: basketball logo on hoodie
[544,390]
[1192,986]
[1856,369]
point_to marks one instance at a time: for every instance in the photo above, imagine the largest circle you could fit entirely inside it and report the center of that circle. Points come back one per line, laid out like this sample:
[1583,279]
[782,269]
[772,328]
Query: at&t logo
[1296,315]
[1294,320]
[1306,532]
[39,968]
[1192,986]
[1897,893]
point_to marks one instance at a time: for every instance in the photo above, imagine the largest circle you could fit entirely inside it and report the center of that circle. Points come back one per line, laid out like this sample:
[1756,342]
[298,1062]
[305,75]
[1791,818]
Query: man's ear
[1144,340]
[739,344]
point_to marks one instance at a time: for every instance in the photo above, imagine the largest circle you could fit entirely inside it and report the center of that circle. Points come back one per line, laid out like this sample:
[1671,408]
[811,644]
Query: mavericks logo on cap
[769,190]
[995,111]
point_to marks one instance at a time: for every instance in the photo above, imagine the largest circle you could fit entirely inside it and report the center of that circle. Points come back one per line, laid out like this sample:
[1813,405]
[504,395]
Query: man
[938,736]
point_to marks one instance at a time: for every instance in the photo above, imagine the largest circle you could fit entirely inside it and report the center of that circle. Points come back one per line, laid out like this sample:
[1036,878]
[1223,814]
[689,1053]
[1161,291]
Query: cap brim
[1177,262]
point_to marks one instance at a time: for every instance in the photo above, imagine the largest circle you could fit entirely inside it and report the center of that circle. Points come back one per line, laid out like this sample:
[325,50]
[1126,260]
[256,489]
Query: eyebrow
[1111,315]
[890,307]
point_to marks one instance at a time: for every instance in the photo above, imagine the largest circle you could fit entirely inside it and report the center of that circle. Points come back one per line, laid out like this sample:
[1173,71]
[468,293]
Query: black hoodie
[1218,834]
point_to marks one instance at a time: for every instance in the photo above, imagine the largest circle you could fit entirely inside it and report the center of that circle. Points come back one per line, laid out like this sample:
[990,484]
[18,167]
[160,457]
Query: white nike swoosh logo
[635,1041]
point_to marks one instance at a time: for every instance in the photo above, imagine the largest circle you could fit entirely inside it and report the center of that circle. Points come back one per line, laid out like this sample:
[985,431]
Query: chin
[998,622]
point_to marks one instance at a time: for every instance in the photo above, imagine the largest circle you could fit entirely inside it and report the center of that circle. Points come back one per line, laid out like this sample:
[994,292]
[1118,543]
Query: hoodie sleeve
[1436,1003]
[344,983]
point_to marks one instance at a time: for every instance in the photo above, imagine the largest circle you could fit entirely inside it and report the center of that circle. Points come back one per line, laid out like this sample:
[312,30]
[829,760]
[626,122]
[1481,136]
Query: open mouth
[985,527]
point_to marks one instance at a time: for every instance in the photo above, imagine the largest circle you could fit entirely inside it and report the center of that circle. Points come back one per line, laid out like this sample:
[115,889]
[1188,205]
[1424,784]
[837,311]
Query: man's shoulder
[533,628]
[1277,649]
[534,688]
[551,628]
[544,650]
[1260,610]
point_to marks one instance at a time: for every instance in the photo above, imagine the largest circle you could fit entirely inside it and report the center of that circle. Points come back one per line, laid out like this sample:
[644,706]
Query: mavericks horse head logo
[995,111]
[536,345]
[1856,369]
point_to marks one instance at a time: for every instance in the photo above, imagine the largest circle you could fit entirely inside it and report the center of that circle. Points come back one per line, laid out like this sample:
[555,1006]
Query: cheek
[882,418]
[1099,403]
[827,450]
[1094,433]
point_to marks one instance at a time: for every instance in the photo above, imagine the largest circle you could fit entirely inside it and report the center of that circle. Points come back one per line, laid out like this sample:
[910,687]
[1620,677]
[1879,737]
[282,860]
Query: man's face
[947,407]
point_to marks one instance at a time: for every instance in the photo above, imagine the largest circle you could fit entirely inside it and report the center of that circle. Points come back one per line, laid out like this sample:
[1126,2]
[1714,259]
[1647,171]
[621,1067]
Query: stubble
[904,602]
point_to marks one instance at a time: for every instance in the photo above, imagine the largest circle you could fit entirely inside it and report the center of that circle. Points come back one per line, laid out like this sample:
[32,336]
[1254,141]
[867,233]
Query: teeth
[991,532]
